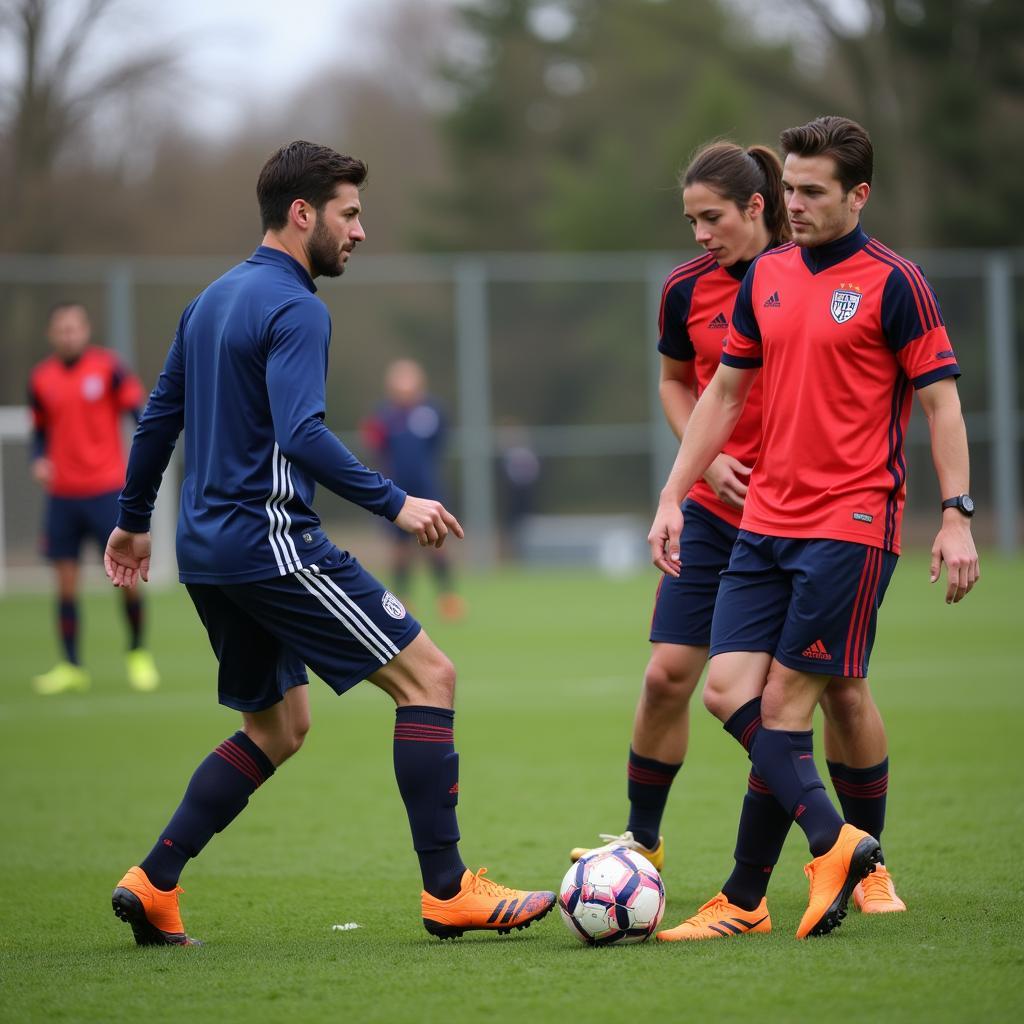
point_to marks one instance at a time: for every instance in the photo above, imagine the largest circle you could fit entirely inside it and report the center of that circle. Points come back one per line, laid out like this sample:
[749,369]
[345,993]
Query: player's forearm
[709,428]
[312,447]
[152,447]
[678,402]
[950,454]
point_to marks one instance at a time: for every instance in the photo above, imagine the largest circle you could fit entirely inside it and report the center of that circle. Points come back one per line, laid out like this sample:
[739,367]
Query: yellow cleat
[62,678]
[832,878]
[153,913]
[720,919]
[655,856]
[877,894]
[142,671]
[483,905]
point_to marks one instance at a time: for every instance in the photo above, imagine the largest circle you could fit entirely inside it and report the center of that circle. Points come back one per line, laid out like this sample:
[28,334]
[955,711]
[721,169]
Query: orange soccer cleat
[877,894]
[483,905]
[720,919]
[152,913]
[832,878]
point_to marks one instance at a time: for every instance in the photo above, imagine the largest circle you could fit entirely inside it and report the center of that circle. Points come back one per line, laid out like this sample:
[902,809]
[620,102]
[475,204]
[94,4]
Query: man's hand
[428,520]
[728,478]
[664,537]
[42,470]
[127,557]
[954,545]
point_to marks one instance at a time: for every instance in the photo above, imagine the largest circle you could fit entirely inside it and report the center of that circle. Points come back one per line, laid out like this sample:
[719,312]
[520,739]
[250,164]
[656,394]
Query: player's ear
[756,205]
[859,196]
[301,214]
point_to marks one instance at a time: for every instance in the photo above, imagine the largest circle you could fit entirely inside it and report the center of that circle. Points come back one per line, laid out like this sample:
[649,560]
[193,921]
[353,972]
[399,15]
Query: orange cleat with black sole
[153,913]
[720,919]
[877,894]
[832,878]
[483,905]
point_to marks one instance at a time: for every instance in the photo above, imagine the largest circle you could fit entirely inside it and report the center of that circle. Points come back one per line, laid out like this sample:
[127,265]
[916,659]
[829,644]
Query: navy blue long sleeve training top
[245,380]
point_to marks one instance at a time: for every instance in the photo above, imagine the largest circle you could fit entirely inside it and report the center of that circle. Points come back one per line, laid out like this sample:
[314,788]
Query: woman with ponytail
[734,201]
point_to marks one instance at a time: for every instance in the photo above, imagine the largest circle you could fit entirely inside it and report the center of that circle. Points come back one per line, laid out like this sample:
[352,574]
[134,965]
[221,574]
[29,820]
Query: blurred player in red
[406,433]
[78,396]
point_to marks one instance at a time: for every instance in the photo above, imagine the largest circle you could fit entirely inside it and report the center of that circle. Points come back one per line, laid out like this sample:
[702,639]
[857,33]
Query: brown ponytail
[736,174]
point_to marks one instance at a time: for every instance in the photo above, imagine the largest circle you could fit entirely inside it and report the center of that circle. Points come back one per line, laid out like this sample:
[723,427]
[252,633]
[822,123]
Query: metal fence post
[472,345]
[121,310]
[1002,386]
[664,445]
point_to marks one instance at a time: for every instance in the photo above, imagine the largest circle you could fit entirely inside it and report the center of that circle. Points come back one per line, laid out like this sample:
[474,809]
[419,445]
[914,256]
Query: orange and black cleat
[877,894]
[483,905]
[832,878]
[720,919]
[152,913]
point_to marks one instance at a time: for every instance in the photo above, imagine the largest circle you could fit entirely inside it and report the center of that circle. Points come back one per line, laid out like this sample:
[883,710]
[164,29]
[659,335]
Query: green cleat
[142,672]
[62,678]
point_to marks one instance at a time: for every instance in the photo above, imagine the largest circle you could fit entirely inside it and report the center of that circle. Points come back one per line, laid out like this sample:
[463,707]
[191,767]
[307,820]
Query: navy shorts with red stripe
[812,604]
[334,617]
[684,604]
[69,521]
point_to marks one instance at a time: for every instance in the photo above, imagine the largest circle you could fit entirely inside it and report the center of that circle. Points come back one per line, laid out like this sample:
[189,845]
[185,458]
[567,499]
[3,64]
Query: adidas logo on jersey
[719,323]
[772,302]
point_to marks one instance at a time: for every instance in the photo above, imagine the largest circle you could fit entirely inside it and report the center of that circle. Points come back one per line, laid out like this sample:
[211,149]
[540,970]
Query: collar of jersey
[821,257]
[264,254]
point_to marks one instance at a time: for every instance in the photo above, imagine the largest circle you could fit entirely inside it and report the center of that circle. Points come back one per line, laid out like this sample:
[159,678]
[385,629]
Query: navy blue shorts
[812,604]
[70,520]
[332,616]
[684,604]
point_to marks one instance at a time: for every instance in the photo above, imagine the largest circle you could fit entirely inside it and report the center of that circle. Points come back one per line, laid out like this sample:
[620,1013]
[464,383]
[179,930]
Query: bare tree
[51,101]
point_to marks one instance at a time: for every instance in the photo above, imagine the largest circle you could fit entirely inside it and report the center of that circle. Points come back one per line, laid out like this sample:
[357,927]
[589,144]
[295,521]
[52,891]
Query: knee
[845,703]
[435,684]
[718,697]
[669,684]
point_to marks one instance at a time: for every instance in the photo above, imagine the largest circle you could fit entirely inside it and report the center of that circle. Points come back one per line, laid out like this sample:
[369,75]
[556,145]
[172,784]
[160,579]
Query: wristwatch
[963,503]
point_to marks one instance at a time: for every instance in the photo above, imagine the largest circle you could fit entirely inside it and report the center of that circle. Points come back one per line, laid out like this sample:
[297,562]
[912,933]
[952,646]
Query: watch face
[967,503]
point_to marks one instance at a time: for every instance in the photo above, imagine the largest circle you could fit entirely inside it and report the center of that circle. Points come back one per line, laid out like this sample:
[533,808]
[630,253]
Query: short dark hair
[303,170]
[838,137]
[736,174]
[63,306]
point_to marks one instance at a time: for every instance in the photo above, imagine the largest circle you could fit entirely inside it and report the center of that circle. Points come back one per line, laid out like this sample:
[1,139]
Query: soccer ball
[611,897]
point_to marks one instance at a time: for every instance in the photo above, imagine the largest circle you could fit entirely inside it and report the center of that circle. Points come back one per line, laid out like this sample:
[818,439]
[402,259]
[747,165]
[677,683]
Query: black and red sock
[217,793]
[649,782]
[862,793]
[67,618]
[134,613]
[427,770]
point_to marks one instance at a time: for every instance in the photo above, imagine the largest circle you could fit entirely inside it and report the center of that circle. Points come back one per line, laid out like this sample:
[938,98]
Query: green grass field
[550,665]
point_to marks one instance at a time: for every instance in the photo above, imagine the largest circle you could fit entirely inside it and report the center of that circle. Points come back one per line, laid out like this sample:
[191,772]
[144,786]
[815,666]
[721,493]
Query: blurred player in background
[733,199]
[245,379]
[407,432]
[78,397]
[846,331]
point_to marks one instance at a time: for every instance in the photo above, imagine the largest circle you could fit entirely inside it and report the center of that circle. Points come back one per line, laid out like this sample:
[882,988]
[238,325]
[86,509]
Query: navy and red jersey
[408,440]
[845,333]
[77,409]
[693,323]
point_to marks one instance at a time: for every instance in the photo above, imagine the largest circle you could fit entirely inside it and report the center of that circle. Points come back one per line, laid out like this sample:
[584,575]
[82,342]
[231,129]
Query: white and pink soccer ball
[612,897]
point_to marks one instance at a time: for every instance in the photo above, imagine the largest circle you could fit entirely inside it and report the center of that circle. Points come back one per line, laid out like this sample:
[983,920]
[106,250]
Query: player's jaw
[327,256]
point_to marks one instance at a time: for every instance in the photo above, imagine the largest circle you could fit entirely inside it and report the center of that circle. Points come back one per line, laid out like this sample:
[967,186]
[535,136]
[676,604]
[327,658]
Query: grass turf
[549,668]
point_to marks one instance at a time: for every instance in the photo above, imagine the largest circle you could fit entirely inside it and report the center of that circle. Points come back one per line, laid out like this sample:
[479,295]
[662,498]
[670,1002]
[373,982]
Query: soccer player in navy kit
[406,433]
[245,380]
[843,331]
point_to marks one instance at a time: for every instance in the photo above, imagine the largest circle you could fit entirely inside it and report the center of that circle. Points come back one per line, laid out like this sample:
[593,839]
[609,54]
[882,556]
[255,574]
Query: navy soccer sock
[427,770]
[67,616]
[862,793]
[763,826]
[785,760]
[649,782]
[216,794]
[133,612]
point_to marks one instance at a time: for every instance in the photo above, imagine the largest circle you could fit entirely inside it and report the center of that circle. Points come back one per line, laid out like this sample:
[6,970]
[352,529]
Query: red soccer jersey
[78,409]
[845,332]
[696,304]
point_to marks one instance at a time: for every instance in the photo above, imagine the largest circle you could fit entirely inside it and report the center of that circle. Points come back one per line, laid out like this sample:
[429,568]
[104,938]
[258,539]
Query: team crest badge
[392,605]
[92,387]
[845,301]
